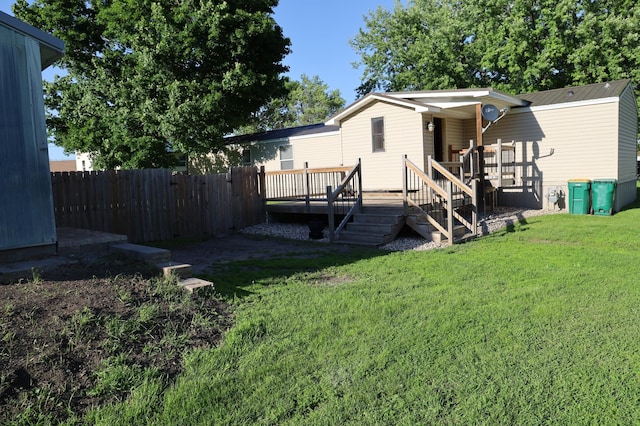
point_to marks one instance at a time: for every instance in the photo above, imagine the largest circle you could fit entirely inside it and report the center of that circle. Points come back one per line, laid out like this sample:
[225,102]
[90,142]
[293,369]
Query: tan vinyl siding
[564,143]
[318,151]
[454,136]
[402,134]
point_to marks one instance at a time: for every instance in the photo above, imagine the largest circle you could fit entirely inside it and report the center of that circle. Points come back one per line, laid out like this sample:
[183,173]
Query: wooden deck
[316,207]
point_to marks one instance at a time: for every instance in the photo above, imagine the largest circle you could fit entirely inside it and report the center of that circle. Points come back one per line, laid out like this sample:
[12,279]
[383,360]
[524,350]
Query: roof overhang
[378,97]
[458,103]
[51,48]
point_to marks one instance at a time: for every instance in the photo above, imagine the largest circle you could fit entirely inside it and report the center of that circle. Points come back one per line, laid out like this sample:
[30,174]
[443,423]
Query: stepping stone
[182,270]
[145,253]
[191,284]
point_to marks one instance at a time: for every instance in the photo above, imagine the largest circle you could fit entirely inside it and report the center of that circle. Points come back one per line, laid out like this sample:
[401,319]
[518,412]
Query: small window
[286,157]
[246,157]
[377,134]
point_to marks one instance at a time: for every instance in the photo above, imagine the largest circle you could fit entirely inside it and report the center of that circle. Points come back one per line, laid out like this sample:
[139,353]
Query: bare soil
[58,329]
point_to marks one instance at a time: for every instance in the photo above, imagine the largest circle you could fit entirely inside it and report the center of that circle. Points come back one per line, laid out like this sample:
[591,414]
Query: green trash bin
[602,196]
[579,191]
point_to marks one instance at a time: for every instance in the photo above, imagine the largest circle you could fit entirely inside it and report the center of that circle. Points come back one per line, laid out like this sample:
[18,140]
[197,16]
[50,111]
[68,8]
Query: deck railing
[306,184]
[345,200]
[440,197]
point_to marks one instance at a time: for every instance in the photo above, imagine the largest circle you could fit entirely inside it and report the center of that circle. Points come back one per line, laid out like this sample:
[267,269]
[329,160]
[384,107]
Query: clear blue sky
[319,31]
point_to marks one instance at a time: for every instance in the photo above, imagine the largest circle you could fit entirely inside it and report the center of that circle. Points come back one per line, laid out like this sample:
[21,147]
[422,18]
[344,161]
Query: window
[286,157]
[246,157]
[377,134]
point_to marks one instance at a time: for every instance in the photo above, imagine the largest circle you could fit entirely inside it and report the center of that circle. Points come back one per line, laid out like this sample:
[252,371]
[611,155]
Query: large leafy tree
[148,78]
[307,101]
[512,45]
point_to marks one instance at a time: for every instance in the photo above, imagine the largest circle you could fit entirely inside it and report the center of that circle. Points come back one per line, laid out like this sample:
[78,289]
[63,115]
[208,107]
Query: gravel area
[501,217]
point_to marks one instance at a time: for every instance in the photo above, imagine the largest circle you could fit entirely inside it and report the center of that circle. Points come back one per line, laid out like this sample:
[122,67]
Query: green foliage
[517,46]
[308,101]
[150,78]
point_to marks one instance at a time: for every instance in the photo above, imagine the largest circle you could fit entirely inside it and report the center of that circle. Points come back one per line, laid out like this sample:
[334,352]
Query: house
[547,138]
[27,224]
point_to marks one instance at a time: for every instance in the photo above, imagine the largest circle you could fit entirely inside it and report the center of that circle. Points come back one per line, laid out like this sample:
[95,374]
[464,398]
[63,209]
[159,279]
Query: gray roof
[589,92]
[51,48]
[282,134]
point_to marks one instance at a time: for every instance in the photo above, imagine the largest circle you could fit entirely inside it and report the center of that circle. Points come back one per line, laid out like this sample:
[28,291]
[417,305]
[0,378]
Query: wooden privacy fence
[156,205]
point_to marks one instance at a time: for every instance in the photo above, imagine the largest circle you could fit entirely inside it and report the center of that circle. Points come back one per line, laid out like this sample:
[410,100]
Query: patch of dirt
[236,247]
[58,330]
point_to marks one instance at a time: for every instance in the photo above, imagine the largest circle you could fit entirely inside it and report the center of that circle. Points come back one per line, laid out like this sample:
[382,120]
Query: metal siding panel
[26,209]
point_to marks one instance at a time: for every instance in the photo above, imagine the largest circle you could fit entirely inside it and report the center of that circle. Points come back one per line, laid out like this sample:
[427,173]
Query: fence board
[154,205]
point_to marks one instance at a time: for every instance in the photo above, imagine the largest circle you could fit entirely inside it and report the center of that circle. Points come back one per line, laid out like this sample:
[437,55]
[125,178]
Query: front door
[438,145]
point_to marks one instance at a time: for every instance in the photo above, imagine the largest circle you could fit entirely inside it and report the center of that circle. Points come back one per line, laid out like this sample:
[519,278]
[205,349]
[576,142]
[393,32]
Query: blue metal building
[27,223]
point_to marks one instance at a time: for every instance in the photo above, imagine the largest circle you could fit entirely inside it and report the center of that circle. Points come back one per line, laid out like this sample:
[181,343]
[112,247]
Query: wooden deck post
[405,185]
[474,206]
[450,211]
[499,161]
[306,188]
[330,213]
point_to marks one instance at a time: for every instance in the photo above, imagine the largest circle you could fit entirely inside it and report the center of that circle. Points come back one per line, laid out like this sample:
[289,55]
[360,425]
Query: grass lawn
[538,324]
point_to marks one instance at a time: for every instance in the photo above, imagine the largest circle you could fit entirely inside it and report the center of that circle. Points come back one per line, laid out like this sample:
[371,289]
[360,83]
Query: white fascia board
[453,94]
[450,104]
[314,135]
[565,105]
[335,120]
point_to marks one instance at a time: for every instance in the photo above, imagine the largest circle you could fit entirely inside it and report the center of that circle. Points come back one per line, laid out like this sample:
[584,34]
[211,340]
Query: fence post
[450,211]
[330,213]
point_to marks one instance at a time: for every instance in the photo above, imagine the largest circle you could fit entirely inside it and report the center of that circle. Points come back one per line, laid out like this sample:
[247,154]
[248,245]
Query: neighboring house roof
[62,165]
[590,92]
[282,134]
[51,48]
[455,102]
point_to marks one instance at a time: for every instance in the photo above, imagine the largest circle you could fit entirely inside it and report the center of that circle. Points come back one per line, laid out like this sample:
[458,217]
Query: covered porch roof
[457,103]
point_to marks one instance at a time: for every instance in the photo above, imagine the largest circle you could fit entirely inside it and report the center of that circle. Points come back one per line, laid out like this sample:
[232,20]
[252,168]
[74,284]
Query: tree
[147,79]
[307,101]
[512,45]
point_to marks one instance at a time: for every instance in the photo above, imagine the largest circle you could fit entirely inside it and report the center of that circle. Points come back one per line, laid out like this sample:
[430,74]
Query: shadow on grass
[235,279]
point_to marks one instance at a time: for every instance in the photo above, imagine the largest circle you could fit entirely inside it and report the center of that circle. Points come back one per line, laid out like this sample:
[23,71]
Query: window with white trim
[377,134]
[286,157]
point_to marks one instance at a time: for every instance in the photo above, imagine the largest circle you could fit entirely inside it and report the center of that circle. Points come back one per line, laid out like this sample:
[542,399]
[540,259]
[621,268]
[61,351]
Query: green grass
[537,324]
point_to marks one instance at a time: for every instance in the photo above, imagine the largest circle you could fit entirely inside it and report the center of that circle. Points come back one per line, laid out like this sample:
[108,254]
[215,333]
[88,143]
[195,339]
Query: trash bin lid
[579,180]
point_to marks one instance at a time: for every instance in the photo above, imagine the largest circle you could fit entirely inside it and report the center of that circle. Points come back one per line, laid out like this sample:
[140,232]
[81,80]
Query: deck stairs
[373,226]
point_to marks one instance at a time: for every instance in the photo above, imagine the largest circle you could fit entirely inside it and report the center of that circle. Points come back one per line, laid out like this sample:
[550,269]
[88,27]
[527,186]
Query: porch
[440,203]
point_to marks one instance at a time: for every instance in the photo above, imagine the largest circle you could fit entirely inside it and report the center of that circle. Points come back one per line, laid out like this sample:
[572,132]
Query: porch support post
[479,124]
[480,156]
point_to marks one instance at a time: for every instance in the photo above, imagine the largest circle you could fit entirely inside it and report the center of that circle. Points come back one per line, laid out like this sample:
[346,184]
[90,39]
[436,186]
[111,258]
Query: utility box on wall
[27,224]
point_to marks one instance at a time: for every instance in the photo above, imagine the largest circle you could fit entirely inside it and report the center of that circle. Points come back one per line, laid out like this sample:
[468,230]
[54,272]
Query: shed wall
[26,204]
[627,146]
